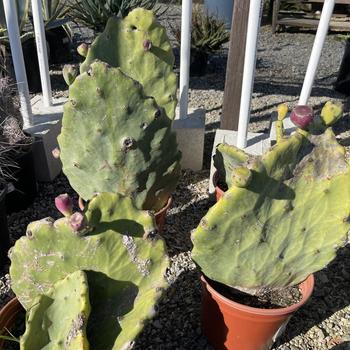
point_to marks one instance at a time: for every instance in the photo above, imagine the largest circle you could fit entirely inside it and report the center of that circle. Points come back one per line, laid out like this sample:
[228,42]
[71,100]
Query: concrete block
[190,138]
[47,126]
[257,144]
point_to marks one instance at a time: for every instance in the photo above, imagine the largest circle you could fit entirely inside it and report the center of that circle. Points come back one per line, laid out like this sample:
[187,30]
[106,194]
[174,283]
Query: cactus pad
[58,320]
[140,47]
[115,139]
[286,223]
[124,258]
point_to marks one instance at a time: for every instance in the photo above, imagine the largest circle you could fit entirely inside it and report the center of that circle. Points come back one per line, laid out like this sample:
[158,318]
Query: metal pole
[186,19]
[18,62]
[316,52]
[41,48]
[255,10]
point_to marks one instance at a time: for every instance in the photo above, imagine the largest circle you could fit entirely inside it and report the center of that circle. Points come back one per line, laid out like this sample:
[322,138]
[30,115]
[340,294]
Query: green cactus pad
[286,224]
[58,319]
[140,47]
[124,258]
[115,139]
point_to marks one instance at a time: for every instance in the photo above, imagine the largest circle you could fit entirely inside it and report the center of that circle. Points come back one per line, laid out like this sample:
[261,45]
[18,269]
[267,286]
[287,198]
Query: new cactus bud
[83,49]
[302,116]
[331,113]
[64,204]
[241,176]
[77,222]
[282,111]
[147,45]
[69,74]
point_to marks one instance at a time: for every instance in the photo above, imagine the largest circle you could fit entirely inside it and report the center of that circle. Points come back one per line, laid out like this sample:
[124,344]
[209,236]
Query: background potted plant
[97,276]
[94,14]
[22,188]
[342,83]
[107,142]
[207,37]
[284,216]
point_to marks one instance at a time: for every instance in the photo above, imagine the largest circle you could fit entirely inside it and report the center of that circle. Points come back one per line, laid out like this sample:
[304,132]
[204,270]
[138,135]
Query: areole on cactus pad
[287,221]
[114,138]
[123,257]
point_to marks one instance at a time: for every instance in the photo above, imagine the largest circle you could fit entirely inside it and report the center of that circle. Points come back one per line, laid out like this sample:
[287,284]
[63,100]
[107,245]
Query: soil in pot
[4,232]
[272,299]
[23,189]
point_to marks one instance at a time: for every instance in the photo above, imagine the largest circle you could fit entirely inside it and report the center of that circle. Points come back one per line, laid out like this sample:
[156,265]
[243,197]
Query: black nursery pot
[59,44]
[4,232]
[343,81]
[199,63]
[22,190]
[31,65]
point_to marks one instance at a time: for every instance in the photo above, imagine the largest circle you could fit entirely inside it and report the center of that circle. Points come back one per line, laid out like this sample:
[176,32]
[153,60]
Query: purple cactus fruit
[64,204]
[147,45]
[77,222]
[302,116]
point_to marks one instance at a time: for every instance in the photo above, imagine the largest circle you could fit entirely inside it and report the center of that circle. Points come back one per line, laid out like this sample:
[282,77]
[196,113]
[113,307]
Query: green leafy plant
[285,213]
[109,258]
[95,13]
[208,32]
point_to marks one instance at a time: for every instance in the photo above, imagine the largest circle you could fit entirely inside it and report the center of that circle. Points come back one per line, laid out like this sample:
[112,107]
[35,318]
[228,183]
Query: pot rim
[169,202]
[306,292]
[166,207]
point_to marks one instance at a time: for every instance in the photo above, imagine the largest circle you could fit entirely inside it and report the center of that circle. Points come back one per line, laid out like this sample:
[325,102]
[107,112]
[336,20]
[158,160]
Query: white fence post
[255,9]
[316,52]
[18,61]
[186,20]
[40,39]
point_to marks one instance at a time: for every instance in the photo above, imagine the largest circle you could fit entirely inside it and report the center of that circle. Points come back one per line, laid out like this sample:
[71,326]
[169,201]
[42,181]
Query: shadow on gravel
[177,322]
[330,295]
[343,346]
[190,203]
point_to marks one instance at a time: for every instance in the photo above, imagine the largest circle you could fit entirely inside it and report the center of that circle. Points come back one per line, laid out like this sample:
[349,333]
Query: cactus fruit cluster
[285,213]
[110,256]
[116,130]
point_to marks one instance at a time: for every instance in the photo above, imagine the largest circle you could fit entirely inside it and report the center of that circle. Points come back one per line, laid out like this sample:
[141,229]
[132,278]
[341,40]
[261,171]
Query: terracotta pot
[8,316]
[229,325]
[218,191]
[160,215]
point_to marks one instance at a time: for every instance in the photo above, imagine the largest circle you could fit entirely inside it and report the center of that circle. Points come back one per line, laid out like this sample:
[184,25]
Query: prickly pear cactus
[116,139]
[140,47]
[283,224]
[58,320]
[123,256]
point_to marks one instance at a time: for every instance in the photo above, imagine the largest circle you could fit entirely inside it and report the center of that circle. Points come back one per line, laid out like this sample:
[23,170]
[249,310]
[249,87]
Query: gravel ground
[324,323]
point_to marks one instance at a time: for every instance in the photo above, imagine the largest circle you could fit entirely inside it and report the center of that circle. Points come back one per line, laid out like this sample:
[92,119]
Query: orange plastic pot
[218,191]
[8,316]
[229,325]
[159,216]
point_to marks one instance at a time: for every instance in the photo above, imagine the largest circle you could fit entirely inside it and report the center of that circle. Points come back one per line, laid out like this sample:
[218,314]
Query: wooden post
[235,65]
